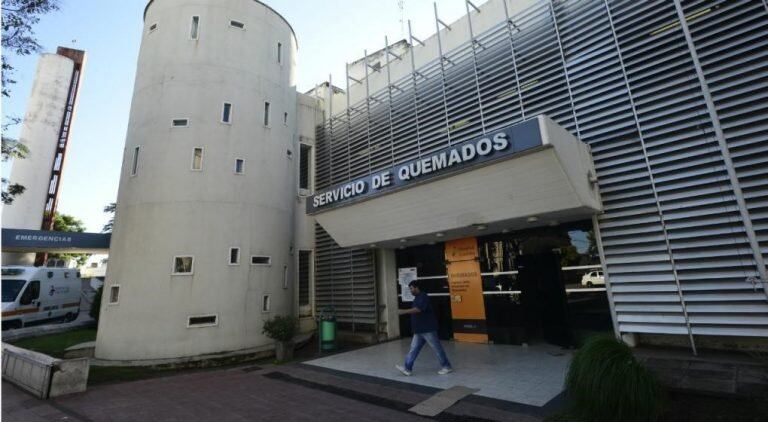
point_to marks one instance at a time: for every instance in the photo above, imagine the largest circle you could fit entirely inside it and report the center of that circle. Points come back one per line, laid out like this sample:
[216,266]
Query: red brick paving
[228,395]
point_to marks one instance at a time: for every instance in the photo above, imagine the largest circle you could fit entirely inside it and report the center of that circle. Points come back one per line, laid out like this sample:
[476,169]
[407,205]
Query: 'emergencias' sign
[494,145]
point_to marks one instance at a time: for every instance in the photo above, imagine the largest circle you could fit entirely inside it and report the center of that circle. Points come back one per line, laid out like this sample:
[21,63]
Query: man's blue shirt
[424,321]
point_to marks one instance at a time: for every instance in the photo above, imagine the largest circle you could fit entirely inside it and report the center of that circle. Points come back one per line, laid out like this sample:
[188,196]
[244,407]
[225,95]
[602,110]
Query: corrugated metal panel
[620,75]
[345,281]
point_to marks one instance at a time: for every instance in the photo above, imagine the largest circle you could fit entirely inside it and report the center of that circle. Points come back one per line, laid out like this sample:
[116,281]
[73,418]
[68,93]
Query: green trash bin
[326,331]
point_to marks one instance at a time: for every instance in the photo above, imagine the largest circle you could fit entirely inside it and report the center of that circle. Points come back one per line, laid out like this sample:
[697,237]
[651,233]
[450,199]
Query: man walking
[424,326]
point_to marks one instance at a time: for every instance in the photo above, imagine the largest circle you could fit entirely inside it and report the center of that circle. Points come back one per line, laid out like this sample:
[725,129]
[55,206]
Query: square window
[180,122]
[261,260]
[234,256]
[114,294]
[265,303]
[194,31]
[202,321]
[226,113]
[183,265]
[239,166]
[236,24]
[266,113]
[197,159]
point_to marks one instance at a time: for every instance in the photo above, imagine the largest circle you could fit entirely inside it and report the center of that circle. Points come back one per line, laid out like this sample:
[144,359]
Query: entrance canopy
[25,241]
[531,174]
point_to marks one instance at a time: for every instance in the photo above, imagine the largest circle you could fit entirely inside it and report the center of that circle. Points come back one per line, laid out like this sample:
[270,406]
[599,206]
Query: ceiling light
[533,219]
[481,226]
[439,235]
[403,240]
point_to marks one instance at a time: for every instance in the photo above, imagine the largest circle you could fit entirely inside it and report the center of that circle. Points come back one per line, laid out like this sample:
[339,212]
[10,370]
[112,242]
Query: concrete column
[386,278]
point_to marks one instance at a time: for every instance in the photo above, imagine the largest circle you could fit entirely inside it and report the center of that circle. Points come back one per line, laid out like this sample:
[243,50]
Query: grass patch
[55,344]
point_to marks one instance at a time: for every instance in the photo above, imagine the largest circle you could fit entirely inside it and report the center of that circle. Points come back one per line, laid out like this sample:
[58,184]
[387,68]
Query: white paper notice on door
[404,277]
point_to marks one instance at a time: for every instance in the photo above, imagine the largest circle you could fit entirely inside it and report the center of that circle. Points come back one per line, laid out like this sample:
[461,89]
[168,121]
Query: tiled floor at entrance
[531,375]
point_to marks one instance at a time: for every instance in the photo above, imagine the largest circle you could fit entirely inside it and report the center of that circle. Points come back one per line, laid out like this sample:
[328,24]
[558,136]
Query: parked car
[36,295]
[593,278]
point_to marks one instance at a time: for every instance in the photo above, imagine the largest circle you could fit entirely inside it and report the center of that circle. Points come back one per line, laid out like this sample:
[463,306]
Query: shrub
[606,383]
[96,305]
[281,328]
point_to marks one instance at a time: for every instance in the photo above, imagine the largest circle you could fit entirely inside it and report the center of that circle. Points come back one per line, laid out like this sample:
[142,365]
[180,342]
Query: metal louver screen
[345,282]
[679,247]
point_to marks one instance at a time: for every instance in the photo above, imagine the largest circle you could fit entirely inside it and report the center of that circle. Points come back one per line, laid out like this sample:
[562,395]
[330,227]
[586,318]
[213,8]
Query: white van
[36,295]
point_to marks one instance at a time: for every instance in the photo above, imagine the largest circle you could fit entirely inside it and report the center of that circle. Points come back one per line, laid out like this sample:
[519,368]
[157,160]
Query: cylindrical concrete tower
[45,131]
[201,251]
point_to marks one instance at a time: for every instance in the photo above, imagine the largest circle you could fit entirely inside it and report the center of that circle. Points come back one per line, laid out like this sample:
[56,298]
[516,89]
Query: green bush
[281,328]
[606,383]
[96,305]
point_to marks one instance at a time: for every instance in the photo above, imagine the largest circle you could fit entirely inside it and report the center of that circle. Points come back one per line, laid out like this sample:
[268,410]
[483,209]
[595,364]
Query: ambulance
[39,295]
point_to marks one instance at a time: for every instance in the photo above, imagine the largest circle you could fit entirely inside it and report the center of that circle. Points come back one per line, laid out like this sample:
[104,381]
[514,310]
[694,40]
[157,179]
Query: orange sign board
[466,290]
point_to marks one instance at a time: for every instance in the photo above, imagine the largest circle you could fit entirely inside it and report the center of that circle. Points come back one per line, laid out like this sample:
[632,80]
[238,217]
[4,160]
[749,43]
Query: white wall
[491,14]
[167,209]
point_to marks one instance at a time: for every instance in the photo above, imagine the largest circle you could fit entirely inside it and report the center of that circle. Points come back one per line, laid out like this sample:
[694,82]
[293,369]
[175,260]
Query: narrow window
[183,265]
[197,159]
[202,321]
[285,118]
[265,303]
[285,276]
[261,260]
[180,122]
[239,166]
[304,266]
[194,31]
[236,24]
[279,52]
[114,294]
[266,113]
[135,162]
[153,27]
[304,155]
[226,113]
[234,256]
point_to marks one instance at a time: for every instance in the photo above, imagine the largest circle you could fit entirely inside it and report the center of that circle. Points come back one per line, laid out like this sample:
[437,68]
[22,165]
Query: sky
[330,33]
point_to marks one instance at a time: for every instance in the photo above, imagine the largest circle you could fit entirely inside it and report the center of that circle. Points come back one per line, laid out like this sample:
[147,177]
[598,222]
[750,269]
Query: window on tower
[194,31]
[197,159]
[135,162]
[226,113]
[266,113]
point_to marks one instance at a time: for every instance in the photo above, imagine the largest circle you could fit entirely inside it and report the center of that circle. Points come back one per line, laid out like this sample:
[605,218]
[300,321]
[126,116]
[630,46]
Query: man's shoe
[445,371]
[402,369]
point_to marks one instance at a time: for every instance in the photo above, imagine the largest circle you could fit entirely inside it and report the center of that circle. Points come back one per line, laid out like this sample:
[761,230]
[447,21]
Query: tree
[110,209]
[18,39]
[68,223]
